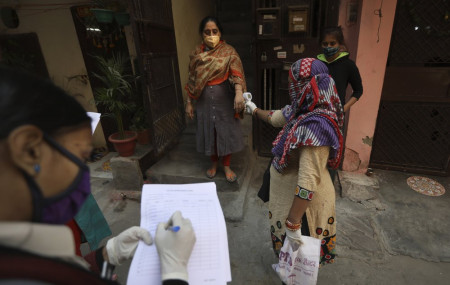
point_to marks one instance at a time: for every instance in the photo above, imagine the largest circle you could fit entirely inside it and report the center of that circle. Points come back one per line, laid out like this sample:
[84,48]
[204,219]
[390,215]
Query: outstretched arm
[275,118]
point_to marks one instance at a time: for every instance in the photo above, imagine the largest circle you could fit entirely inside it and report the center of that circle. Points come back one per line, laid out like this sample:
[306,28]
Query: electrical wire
[55,4]
[379,14]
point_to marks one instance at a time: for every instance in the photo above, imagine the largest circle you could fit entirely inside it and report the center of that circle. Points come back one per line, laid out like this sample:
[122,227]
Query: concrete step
[183,164]
[171,171]
[101,168]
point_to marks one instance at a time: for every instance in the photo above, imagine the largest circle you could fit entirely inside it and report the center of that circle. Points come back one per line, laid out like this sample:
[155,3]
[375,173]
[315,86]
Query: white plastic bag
[299,265]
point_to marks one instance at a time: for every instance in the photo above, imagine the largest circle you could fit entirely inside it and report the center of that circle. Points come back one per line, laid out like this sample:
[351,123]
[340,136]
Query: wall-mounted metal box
[298,19]
[268,23]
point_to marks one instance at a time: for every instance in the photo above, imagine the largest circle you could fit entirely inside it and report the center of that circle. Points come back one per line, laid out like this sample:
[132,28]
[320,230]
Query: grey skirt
[215,113]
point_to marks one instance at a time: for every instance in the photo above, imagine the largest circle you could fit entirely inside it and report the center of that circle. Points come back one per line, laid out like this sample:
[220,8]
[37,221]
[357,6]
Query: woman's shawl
[214,67]
[315,117]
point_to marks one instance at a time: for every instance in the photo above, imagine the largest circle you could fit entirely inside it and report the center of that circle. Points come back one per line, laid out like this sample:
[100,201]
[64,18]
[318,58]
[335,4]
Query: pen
[107,271]
[174,228]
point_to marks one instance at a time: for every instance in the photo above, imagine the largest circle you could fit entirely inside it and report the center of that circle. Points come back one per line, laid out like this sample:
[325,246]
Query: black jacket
[344,71]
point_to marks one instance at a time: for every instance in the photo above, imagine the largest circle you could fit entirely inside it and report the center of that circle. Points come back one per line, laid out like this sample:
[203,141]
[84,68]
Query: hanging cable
[54,4]
[379,14]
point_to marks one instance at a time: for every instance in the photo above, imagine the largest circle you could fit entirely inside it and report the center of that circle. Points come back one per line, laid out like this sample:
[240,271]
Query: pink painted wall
[371,57]
[350,30]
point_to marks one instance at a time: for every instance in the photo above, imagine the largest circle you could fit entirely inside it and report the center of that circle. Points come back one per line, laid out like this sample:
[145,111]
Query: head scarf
[315,116]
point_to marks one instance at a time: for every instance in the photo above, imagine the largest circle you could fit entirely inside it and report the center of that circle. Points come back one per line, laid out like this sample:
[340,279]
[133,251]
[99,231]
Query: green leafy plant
[117,87]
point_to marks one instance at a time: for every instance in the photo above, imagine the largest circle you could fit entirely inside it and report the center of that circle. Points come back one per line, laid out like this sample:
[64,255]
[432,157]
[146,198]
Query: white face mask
[212,41]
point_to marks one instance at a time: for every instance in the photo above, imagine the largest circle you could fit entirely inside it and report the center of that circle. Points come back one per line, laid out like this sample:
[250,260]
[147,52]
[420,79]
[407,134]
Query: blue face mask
[330,51]
[63,207]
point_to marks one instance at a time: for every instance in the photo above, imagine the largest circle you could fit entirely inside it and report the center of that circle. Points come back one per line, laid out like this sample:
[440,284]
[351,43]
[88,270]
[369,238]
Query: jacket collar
[47,240]
[323,58]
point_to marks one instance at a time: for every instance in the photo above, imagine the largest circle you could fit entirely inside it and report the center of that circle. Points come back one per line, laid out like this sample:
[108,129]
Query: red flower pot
[125,147]
[143,137]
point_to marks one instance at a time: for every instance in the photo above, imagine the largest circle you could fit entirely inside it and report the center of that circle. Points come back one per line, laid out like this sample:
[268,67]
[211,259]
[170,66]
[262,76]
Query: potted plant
[102,13]
[106,11]
[116,96]
[141,126]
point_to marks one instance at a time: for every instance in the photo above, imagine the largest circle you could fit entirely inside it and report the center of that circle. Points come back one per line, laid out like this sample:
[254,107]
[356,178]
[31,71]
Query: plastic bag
[299,265]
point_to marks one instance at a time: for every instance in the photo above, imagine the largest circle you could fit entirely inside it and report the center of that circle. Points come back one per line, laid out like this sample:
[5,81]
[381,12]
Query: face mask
[330,51]
[61,208]
[212,41]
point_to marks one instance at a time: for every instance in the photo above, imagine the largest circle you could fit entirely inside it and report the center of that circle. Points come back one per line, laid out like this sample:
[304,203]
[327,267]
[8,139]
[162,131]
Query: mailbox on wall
[298,19]
[268,22]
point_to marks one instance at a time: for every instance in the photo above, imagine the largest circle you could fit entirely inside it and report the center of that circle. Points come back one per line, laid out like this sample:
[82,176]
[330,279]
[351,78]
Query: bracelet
[254,111]
[291,226]
[303,193]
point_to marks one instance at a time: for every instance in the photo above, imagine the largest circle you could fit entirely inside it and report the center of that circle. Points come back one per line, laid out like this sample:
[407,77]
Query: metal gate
[153,28]
[286,30]
[413,124]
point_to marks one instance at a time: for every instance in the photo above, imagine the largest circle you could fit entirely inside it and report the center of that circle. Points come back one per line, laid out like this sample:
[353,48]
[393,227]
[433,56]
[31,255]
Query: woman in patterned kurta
[301,191]
[216,82]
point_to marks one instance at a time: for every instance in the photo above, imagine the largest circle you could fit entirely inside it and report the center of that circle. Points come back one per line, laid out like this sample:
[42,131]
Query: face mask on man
[330,51]
[63,207]
[212,41]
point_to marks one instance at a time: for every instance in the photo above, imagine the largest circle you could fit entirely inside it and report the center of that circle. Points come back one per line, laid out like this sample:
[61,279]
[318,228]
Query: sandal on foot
[231,176]
[211,173]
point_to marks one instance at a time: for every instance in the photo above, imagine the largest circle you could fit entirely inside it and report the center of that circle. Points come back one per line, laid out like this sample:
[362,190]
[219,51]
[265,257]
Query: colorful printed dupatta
[213,67]
[315,117]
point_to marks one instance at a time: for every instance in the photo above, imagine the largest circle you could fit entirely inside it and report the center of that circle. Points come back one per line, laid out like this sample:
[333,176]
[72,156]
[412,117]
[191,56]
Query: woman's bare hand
[239,103]
[190,110]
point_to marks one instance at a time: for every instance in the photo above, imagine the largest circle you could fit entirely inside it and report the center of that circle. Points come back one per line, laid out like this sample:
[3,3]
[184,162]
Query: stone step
[231,195]
[183,164]
[186,165]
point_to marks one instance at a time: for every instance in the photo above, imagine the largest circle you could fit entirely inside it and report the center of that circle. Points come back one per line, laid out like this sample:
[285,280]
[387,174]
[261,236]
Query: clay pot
[103,16]
[125,147]
[143,136]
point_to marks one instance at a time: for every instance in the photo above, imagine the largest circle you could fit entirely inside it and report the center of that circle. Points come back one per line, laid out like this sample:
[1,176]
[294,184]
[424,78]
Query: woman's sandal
[211,173]
[231,176]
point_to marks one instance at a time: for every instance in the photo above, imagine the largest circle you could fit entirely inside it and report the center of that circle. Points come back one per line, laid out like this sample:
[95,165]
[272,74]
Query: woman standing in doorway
[341,67]
[216,82]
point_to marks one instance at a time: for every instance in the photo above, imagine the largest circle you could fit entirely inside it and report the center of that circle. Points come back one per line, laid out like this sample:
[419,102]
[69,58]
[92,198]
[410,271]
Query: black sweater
[344,71]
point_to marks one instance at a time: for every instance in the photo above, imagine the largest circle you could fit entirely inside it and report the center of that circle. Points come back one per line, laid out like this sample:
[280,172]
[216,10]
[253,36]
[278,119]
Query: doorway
[285,31]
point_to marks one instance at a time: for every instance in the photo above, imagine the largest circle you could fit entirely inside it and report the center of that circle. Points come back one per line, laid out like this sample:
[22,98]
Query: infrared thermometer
[247,96]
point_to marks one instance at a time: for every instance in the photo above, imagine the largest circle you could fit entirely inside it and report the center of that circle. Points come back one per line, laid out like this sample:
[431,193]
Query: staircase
[183,164]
